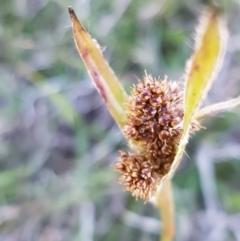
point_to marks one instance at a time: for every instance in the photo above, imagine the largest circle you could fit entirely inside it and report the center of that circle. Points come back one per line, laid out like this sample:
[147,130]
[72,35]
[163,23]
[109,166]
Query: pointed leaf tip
[70,10]
[74,17]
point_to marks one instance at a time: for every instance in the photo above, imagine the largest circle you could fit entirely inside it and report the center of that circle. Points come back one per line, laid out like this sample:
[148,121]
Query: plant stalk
[164,201]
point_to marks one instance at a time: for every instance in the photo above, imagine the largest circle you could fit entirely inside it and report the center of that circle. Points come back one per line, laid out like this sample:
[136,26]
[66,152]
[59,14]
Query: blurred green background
[58,142]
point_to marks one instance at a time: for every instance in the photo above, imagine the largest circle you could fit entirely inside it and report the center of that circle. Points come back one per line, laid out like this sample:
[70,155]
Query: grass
[58,141]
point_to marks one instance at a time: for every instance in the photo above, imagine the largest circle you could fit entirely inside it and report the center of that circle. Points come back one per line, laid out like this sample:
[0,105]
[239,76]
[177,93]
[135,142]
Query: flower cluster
[154,113]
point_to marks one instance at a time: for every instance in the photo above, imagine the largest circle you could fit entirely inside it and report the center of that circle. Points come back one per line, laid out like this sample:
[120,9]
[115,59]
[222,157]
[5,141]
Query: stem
[217,108]
[164,201]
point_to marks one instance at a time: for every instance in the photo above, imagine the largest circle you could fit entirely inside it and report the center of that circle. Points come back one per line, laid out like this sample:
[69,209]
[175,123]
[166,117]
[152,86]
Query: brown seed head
[138,174]
[154,113]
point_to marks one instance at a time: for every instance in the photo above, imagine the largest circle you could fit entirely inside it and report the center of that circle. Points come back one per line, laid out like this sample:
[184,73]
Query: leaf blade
[217,108]
[204,65]
[102,75]
[212,30]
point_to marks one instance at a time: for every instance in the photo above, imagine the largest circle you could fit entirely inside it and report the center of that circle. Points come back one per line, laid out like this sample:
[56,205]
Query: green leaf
[201,70]
[206,61]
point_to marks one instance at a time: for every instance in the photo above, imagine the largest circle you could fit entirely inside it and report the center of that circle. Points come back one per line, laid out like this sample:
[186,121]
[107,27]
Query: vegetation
[58,141]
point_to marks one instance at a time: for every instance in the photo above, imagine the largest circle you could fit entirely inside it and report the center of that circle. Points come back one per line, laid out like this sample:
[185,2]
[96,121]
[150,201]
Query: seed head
[138,174]
[154,114]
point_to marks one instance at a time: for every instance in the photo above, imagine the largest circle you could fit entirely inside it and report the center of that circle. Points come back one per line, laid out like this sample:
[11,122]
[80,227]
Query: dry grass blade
[104,78]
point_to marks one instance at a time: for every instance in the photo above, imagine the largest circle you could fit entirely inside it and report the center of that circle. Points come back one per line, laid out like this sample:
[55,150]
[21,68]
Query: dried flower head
[154,113]
[138,174]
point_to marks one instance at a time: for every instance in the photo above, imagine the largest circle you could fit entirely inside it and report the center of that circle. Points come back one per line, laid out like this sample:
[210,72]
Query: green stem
[164,201]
